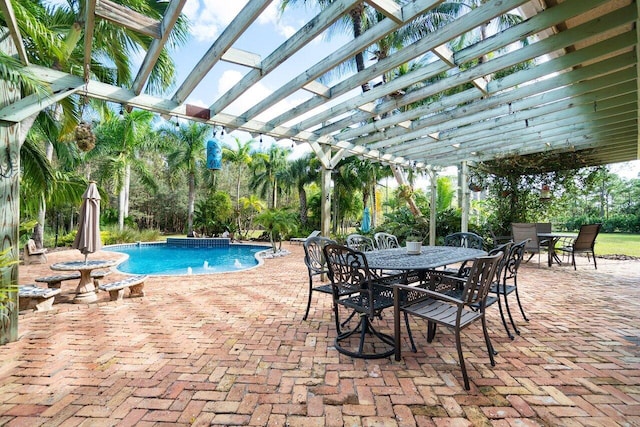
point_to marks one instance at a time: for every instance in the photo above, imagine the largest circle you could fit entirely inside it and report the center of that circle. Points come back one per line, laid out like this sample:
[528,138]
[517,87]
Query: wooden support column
[325,204]
[464,191]
[10,210]
[433,207]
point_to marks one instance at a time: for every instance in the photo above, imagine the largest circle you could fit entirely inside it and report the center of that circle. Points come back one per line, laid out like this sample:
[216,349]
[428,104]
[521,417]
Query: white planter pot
[414,248]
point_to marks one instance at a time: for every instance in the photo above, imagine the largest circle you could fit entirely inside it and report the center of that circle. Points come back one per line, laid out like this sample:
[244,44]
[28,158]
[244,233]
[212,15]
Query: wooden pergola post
[432,209]
[464,201]
[10,212]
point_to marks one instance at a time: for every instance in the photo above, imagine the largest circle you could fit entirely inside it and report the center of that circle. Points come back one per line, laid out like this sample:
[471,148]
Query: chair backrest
[503,249]
[313,254]
[543,227]
[526,231]
[386,241]
[586,237]
[31,246]
[314,233]
[513,261]
[347,269]
[360,243]
[464,240]
[481,276]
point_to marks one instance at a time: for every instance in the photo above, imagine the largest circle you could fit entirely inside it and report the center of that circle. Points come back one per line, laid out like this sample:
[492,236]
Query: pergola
[577,94]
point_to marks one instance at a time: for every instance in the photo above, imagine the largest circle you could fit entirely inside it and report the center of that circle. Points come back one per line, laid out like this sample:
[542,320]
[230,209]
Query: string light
[121,111]
[177,124]
[260,139]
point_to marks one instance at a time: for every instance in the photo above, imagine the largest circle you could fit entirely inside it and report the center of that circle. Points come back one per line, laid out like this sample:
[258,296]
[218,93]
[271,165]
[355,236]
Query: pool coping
[214,244]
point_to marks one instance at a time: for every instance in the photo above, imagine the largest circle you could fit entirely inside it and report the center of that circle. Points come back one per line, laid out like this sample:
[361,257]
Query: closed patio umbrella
[88,238]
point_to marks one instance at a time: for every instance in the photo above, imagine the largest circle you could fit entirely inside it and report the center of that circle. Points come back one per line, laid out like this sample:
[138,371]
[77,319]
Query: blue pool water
[164,259]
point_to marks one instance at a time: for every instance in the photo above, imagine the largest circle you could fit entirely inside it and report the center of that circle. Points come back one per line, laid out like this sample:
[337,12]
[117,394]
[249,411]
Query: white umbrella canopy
[88,238]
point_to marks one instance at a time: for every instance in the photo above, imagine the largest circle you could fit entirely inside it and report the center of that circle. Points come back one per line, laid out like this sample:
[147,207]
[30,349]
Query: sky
[209,17]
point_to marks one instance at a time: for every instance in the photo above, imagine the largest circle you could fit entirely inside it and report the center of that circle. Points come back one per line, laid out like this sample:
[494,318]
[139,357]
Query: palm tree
[189,157]
[250,207]
[354,23]
[299,174]
[241,157]
[121,141]
[267,170]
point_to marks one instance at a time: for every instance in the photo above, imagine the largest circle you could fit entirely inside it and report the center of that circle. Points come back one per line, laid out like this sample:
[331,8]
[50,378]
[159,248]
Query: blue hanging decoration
[214,154]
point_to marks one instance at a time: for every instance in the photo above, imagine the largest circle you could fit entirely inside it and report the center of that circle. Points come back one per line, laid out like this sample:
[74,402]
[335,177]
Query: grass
[618,244]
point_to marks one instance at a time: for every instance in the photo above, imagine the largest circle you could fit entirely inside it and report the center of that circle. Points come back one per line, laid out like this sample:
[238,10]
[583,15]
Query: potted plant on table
[414,244]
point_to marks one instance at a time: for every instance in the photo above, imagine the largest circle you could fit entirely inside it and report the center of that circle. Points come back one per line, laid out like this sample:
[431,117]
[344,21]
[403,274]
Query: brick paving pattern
[232,349]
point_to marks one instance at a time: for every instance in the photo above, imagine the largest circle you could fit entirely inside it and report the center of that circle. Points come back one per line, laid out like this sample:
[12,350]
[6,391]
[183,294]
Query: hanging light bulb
[293,145]
[222,133]
[121,111]
[177,124]
[260,139]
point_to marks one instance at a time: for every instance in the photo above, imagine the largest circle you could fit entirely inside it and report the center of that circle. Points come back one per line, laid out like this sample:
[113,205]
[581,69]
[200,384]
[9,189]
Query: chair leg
[595,264]
[406,322]
[487,340]
[461,359]
[504,321]
[506,303]
[431,331]
[515,283]
[573,260]
[306,313]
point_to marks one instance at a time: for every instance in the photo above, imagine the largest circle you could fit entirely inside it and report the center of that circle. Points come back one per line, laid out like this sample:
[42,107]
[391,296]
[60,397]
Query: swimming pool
[159,259]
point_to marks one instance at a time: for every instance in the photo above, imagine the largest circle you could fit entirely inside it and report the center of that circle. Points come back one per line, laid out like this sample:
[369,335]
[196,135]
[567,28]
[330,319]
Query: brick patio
[232,349]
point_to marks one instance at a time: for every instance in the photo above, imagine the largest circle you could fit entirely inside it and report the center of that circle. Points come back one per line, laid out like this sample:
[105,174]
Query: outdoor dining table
[429,258]
[553,238]
[86,290]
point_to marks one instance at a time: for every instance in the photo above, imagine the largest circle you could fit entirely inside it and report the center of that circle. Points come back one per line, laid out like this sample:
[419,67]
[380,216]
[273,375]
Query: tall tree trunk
[302,197]
[356,20]
[121,209]
[191,203]
[411,203]
[127,187]
[274,200]
[42,212]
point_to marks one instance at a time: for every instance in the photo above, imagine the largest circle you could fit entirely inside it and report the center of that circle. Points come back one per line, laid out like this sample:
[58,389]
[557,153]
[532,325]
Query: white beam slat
[231,33]
[172,13]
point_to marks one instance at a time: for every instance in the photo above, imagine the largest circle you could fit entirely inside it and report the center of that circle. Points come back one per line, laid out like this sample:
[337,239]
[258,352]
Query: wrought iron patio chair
[456,313]
[316,266]
[349,272]
[508,272]
[583,243]
[386,241]
[463,240]
[361,243]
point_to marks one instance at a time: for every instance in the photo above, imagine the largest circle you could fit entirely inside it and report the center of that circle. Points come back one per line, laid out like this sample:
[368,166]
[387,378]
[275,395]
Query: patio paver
[232,349]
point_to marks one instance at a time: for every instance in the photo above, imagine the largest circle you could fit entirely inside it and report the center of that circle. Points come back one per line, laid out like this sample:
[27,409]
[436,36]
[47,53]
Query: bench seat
[36,298]
[116,289]
[56,281]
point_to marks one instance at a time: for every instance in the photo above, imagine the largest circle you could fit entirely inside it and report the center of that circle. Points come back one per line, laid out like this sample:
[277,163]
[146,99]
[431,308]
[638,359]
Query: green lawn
[618,244]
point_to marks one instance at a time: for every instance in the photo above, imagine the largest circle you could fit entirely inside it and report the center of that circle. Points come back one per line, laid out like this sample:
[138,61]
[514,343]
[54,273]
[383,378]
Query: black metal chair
[316,265]
[508,271]
[386,241]
[456,313]
[349,273]
[464,240]
[361,243]
[583,243]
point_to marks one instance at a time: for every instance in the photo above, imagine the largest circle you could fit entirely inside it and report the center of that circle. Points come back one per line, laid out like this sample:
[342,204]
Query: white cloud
[209,17]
